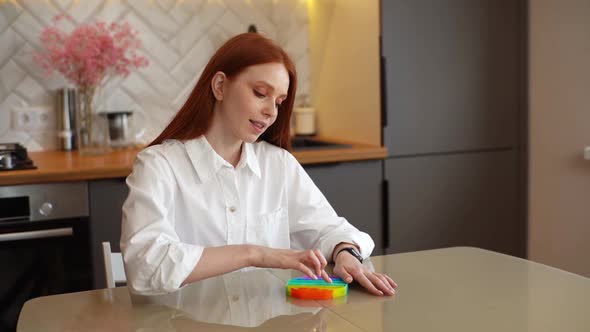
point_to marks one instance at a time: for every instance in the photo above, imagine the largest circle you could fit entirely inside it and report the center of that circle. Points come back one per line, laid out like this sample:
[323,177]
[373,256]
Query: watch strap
[351,251]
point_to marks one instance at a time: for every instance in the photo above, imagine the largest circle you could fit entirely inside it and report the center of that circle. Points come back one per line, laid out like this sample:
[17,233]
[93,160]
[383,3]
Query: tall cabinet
[454,110]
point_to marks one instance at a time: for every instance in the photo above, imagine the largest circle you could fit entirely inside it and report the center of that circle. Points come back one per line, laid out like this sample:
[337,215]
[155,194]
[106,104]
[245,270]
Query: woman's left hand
[349,268]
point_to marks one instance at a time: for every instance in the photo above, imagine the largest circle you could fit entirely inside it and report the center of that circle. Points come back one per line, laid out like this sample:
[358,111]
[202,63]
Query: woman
[218,191]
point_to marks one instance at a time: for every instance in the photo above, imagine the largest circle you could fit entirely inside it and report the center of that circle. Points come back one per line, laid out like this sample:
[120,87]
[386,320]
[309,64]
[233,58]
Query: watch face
[357,255]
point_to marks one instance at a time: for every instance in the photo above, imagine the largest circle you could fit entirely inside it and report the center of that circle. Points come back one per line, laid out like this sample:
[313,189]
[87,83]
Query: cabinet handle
[385,213]
[58,232]
[383,92]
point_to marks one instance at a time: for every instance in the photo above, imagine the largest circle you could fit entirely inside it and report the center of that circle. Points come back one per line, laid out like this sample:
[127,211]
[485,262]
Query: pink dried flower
[91,52]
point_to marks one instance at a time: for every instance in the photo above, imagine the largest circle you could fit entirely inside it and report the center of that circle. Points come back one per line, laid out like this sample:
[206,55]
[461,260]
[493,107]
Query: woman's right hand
[310,262]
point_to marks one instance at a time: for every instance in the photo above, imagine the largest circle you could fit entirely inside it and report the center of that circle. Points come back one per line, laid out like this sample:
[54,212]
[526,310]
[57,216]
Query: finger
[343,274]
[385,280]
[378,283]
[315,262]
[326,277]
[307,271]
[362,279]
[323,261]
[391,282]
[381,283]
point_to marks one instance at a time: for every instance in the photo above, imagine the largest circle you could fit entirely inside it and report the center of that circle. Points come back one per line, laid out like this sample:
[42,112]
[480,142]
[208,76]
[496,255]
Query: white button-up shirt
[183,197]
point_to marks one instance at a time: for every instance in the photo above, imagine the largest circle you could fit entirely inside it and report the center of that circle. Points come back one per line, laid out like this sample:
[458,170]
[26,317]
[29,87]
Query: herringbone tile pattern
[178,37]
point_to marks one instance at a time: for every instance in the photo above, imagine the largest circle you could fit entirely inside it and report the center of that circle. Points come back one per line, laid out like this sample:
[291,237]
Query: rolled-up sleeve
[155,259]
[313,223]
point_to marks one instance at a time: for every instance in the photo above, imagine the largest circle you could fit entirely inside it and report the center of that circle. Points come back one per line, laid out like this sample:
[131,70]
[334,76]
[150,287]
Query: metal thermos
[66,106]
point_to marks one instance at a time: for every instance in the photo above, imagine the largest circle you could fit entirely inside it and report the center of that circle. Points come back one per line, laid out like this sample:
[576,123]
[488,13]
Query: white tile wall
[178,37]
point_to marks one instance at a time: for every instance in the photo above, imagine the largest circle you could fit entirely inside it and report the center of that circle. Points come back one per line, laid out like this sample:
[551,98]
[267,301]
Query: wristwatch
[353,252]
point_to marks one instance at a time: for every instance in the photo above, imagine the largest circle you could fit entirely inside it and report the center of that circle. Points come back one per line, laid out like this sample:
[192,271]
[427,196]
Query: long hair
[248,49]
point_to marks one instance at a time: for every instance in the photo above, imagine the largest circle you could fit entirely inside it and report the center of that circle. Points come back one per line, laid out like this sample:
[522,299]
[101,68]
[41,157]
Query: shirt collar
[249,158]
[207,162]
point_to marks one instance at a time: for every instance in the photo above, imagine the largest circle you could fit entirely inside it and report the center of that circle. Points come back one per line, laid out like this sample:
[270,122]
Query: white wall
[559,189]
[178,38]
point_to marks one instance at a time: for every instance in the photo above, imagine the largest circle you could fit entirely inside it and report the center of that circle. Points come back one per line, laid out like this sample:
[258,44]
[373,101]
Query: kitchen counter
[60,166]
[454,289]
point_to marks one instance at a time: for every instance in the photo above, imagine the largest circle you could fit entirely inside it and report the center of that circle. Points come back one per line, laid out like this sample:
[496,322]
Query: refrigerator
[454,89]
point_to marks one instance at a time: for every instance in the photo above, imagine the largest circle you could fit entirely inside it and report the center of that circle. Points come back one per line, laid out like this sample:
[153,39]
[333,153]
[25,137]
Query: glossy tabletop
[454,289]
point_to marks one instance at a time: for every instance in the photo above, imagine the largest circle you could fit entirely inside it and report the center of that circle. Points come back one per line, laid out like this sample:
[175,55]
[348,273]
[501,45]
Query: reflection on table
[243,300]
[453,289]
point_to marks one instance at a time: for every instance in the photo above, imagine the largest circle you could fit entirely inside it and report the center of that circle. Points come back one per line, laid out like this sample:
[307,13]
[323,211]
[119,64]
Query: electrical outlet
[33,119]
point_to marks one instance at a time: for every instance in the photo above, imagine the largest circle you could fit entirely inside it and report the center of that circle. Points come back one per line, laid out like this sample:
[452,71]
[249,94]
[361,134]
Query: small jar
[304,121]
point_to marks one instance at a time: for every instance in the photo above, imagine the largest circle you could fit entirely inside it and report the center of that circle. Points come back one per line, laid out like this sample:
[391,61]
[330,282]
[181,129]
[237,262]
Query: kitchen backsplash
[178,38]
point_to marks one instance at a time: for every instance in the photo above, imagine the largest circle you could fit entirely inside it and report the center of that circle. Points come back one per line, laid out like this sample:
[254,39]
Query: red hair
[248,49]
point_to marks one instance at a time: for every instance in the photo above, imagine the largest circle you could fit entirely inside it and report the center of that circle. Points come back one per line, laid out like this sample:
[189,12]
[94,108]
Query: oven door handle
[58,232]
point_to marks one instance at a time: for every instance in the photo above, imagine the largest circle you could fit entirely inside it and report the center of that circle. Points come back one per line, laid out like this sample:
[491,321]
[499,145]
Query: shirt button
[232,209]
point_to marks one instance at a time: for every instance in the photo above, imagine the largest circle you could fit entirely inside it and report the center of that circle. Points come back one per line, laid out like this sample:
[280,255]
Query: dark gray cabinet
[354,191]
[106,201]
[467,199]
[454,79]
[455,73]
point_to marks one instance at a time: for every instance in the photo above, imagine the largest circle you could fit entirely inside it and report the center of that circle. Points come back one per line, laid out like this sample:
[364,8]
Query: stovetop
[13,156]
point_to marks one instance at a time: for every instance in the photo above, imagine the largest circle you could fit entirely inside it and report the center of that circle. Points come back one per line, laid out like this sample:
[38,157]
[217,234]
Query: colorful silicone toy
[310,289]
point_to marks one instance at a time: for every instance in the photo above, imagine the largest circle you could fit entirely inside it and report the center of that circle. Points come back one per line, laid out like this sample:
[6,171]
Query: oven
[44,244]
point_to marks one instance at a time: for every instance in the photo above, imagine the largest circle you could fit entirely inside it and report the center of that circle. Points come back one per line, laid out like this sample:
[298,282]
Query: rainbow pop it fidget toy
[310,289]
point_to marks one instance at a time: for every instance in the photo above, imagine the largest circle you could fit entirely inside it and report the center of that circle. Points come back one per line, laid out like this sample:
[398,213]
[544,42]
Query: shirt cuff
[360,239]
[179,263]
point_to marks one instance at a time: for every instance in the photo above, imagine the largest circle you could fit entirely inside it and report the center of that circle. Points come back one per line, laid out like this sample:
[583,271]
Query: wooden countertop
[60,166]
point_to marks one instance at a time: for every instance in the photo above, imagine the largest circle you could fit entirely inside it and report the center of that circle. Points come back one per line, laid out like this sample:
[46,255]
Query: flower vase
[92,129]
